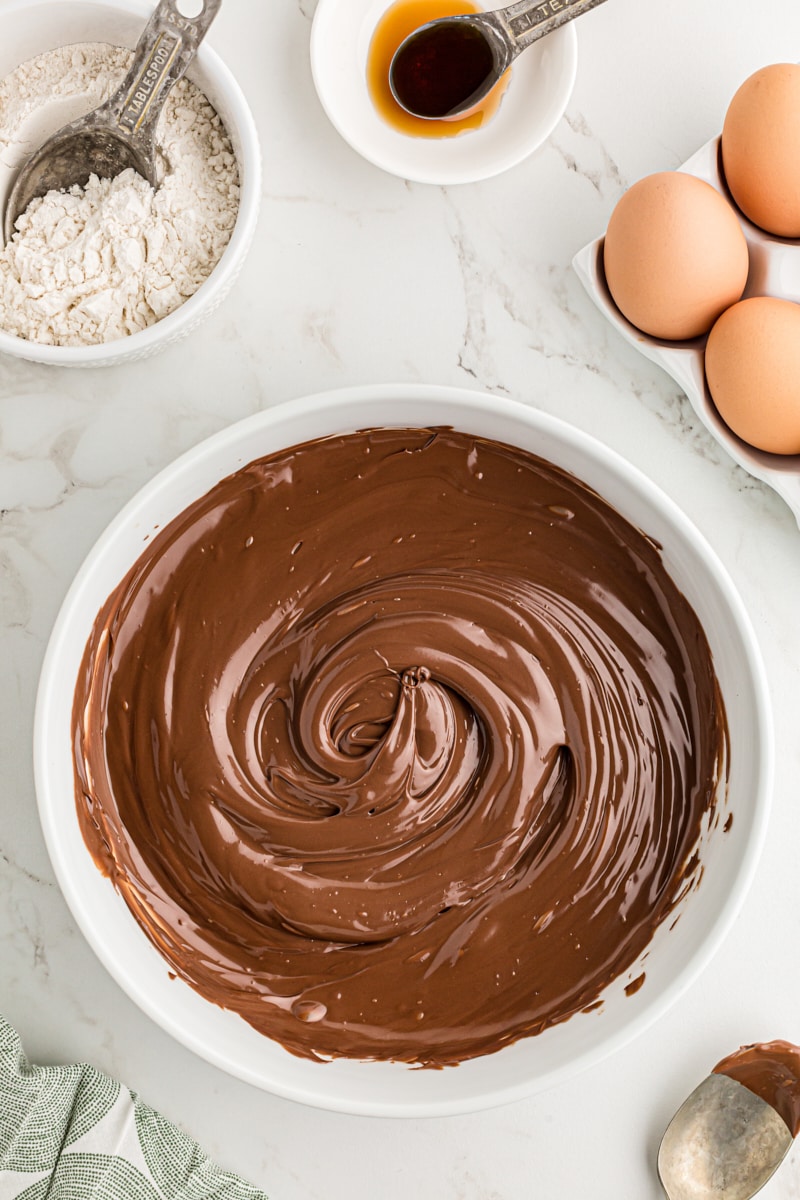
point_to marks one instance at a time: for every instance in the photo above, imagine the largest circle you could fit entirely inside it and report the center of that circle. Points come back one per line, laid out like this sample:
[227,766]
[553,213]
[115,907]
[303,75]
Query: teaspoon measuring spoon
[723,1143]
[448,66]
[121,132]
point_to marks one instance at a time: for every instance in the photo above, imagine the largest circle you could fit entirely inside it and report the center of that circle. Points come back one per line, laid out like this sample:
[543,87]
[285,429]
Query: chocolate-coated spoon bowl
[723,1143]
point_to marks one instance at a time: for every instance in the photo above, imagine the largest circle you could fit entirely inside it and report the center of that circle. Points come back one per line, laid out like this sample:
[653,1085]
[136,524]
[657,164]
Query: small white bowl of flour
[115,271]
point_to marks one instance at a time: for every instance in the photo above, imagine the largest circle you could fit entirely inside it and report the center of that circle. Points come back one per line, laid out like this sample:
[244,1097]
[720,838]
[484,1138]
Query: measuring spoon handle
[164,51]
[528,20]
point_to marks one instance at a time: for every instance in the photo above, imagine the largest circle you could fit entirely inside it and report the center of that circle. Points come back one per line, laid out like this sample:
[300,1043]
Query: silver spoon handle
[164,51]
[528,20]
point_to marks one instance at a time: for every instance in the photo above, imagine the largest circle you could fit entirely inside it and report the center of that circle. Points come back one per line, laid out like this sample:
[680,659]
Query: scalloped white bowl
[31,27]
[676,955]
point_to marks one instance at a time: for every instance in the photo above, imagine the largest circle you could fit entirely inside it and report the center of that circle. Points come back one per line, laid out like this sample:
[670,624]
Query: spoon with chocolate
[735,1129]
[121,132]
[448,66]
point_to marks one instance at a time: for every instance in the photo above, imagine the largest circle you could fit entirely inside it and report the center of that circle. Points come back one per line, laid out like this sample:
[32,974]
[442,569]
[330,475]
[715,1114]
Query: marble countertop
[360,277]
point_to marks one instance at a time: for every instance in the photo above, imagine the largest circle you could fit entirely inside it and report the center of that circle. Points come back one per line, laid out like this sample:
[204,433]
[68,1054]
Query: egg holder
[774,271]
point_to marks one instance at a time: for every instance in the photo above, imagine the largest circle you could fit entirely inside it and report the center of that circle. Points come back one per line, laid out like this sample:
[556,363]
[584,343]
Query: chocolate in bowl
[398,744]
[506,844]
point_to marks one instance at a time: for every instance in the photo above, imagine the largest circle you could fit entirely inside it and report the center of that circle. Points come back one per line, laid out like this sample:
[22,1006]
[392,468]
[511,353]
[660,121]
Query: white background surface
[358,277]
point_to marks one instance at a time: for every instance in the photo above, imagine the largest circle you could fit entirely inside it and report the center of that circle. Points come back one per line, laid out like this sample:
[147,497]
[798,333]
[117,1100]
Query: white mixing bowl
[32,27]
[675,956]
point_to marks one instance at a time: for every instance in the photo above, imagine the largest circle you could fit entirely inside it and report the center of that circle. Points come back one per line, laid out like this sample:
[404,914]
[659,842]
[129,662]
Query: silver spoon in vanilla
[446,67]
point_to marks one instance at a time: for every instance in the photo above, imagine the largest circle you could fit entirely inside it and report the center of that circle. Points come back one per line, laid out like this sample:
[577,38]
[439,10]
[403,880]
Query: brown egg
[761,149]
[674,255]
[753,371]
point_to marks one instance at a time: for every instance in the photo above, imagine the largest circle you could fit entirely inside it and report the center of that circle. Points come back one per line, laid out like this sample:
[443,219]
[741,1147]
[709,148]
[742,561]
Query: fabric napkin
[72,1133]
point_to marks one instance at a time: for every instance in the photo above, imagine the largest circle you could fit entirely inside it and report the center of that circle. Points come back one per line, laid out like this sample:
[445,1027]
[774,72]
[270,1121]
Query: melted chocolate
[398,744]
[772,1071]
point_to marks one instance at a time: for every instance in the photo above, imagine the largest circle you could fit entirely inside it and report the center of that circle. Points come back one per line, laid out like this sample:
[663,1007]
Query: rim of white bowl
[174,323]
[471,401]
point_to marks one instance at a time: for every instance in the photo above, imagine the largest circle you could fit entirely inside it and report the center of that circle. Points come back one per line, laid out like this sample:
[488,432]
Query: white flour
[98,264]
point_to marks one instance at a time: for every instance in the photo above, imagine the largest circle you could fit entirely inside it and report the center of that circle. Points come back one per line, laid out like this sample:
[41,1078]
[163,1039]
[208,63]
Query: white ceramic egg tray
[774,271]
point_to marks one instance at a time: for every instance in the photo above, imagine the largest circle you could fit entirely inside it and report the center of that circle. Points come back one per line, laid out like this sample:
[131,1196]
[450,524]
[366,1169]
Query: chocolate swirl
[398,744]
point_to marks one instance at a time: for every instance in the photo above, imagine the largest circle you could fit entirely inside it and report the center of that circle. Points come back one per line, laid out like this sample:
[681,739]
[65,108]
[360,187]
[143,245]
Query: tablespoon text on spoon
[121,132]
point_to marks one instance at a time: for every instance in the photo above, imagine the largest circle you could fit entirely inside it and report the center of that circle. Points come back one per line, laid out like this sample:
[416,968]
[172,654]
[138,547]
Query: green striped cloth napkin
[71,1133]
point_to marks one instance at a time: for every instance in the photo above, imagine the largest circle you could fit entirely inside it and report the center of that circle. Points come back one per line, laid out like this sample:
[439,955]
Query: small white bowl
[32,27]
[678,951]
[541,84]
[774,271]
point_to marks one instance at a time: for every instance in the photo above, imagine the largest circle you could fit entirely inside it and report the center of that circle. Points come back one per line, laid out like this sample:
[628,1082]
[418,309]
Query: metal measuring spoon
[121,132]
[448,66]
[723,1143]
